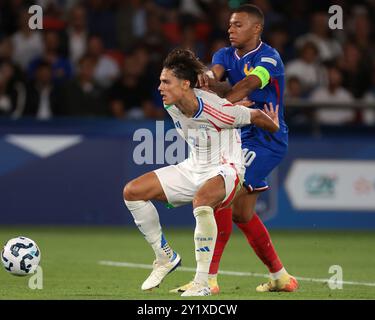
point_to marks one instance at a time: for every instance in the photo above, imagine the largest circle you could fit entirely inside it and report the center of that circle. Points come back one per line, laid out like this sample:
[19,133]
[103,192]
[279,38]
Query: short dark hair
[252,10]
[184,64]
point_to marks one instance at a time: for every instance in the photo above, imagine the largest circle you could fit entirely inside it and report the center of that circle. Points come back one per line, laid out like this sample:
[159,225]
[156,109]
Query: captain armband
[263,74]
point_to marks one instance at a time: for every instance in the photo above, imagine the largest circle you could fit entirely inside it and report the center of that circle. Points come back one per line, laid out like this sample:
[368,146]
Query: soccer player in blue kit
[255,72]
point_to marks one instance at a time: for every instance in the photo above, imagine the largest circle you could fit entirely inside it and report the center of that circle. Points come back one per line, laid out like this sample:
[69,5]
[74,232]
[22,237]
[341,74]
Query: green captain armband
[263,74]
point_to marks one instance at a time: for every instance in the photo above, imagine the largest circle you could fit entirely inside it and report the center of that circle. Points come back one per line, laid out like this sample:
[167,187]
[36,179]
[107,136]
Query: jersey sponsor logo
[269,60]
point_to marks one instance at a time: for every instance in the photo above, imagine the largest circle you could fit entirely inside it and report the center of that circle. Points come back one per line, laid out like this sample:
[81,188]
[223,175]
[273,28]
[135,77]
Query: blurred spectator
[216,44]
[27,43]
[6,54]
[77,33]
[12,91]
[294,89]
[356,70]
[106,69]
[271,16]
[297,12]
[362,31]
[130,23]
[333,93]
[82,97]
[369,97]
[220,22]
[131,96]
[278,38]
[41,99]
[294,94]
[328,47]
[155,39]
[102,21]
[190,41]
[307,68]
[61,67]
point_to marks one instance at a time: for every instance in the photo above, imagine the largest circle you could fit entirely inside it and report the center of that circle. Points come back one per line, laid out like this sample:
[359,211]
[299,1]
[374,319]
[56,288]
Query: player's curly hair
[184,64]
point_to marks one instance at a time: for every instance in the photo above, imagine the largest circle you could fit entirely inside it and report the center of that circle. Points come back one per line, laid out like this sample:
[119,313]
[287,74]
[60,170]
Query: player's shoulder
[224,52]
[210,98]
[270,55]
[171,109]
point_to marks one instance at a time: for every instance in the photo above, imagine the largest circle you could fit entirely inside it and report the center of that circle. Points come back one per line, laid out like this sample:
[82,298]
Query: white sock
[146,218]
[278,274]
[205,238]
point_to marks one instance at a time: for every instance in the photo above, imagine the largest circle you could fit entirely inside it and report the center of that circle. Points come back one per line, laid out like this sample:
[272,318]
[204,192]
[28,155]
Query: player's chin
[234,43]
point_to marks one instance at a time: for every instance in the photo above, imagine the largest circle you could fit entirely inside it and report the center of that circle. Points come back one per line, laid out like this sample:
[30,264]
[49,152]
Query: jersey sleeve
[271,62]
[219,57]
[224,115]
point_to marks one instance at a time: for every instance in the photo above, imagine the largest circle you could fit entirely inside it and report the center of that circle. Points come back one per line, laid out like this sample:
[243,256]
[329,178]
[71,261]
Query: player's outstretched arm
[267,120]
[243,88]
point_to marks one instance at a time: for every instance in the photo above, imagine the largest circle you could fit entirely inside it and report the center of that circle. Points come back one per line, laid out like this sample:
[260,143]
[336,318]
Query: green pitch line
[70,258]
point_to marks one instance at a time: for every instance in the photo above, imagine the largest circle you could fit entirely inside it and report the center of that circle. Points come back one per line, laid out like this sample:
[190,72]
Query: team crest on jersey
[247,69]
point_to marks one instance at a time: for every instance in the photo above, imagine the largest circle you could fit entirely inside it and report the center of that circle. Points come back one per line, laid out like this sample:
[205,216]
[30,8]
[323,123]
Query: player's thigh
[261,162]
[211,193]
[219,188]
[178,184]
[146,187]
[243,206]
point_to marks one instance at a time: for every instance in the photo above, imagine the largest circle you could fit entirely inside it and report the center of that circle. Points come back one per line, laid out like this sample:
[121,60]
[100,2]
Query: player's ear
[185,84]
[258,28]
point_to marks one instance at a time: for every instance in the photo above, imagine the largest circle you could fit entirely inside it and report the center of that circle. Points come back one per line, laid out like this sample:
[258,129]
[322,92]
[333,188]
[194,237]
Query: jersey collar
[200,108]
[250,52]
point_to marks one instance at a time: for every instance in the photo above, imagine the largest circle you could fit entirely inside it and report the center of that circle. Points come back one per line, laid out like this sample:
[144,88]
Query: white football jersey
[211,133]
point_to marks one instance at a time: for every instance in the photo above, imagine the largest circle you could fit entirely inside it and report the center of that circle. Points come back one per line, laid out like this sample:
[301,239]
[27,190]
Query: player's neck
[250,46]
[188,104]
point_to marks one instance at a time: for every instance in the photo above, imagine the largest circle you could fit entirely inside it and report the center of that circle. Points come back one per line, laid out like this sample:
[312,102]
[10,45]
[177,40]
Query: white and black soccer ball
[20,256]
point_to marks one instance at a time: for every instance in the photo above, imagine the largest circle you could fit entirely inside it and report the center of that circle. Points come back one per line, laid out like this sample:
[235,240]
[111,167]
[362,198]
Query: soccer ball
[20,256]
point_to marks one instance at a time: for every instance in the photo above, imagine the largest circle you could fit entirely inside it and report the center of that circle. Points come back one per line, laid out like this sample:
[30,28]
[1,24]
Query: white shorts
[180,183]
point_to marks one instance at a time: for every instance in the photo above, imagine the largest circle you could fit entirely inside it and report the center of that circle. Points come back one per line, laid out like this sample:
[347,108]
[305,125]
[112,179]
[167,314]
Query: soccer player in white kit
[209,177]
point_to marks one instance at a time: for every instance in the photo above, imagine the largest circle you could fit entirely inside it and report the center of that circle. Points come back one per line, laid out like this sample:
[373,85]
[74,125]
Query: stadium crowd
[103,57]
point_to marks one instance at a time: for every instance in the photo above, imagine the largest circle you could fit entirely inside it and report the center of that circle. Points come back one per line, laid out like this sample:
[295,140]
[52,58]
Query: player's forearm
[263,121]
[221,88]
[243,88]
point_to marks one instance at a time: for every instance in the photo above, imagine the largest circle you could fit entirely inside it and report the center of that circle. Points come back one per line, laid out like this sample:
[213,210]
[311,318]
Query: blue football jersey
[237,68]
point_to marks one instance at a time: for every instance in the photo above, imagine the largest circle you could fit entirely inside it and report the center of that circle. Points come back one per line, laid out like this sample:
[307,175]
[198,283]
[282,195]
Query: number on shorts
[249,156]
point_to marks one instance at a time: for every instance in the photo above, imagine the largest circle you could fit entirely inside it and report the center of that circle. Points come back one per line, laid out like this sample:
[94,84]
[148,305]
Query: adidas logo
[204,249]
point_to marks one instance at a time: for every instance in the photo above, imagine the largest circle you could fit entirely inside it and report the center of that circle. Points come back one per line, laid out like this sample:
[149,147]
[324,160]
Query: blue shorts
[261,162]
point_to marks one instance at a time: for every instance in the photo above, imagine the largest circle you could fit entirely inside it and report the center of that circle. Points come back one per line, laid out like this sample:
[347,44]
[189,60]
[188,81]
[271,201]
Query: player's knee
[202,199]
[240,216]
[131,192]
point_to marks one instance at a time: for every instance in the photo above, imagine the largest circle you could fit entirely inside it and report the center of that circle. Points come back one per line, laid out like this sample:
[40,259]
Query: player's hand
[203,81]
[272,113]
[245,103]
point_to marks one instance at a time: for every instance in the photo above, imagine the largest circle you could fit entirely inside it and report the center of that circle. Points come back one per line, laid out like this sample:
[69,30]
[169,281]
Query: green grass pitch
[71,269]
